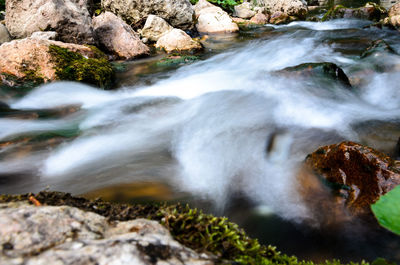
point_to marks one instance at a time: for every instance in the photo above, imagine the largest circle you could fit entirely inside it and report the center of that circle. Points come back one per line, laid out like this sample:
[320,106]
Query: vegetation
[227,5]
[75,67]
[2,5]
[387,210]
[191,227]
[176,59]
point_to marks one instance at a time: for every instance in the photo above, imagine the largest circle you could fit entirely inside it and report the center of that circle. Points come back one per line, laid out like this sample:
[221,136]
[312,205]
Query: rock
[260,19]
[177,40]
[279,18]
[370,11]
[358,175]
[44,35]
[178,13]
[67,235]
[324,70]
[377,47]
[212,19]
[394,10]
[243,11]
[297,8]
[4,35]
[154,28]
[69,18]
[393,21]
[38,61]
[118,37]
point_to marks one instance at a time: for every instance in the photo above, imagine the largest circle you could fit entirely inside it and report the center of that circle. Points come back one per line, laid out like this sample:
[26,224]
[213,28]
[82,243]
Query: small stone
[44,35]
[4,35]
[259,19]
[243,11]
[177,40]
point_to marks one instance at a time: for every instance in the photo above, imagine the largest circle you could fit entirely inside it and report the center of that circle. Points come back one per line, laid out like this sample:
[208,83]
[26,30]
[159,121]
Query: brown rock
[259,19]
[358,174]
[22,58]
[279,18]
[118,37]
[177,40]
[69,18]
[394,10]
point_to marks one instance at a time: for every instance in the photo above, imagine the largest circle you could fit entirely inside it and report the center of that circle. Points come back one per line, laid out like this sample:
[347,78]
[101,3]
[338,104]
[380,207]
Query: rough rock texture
[393,21]
[394,10]
[370,11]
[42,60]
[4,35]
[67,235]
[45,35]
[358,174]
[69,18]
[244,11]
[178,13]
[296,8]
[279,18]
[177,40]
[212,19]
[118,37]
[154,28]
[259,18]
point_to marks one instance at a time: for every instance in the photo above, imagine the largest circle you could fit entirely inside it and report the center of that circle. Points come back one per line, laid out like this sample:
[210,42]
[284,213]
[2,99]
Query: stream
[226,133]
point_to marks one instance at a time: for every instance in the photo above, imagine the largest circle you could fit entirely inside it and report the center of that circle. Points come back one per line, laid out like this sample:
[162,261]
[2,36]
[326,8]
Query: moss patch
[191,227]
[73,66]
[175,60]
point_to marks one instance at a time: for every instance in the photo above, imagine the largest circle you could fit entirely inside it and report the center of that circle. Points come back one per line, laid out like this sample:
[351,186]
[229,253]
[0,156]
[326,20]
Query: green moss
[73,66]
[332,12]
[228,5]
[175,60]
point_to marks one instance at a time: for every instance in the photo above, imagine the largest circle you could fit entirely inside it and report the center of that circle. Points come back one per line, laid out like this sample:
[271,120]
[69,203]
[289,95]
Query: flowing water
[225,125]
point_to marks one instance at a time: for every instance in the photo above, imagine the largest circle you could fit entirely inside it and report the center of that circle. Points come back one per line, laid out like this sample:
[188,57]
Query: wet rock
[297,8]
[377,47]
[38,61]
[177,40]
[325,70]
[67,235]
[4,35]
[178,13]
[69,18]
[44,35]
[370,11]
[357,174]
[244,11]
[154,28]
[212,19]
[118,37]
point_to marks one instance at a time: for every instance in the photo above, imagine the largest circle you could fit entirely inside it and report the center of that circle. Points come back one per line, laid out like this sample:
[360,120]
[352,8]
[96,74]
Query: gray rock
[65,235]
[118,37]
[296,8]
[154,28]
[69,18]
[44,35]
[4,35]
[244,11]
[178,13]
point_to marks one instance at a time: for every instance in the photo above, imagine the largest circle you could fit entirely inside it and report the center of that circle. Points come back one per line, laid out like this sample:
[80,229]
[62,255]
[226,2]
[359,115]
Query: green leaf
[387,210]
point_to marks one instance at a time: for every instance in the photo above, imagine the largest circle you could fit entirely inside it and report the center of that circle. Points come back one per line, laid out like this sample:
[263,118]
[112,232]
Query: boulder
[297,8]
[370,11]
[69,18]
[44,35]
[67,235]
[178,13]
[243,11]
[4,35]
[154,28]
[357,174]
[118,37]
[177,40]
[39,60]
[212,19]
[326,70]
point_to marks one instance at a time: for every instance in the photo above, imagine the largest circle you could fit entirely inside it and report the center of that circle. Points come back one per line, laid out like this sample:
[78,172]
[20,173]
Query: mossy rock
[176,60]
[370,11]
[75,67]
[378,46]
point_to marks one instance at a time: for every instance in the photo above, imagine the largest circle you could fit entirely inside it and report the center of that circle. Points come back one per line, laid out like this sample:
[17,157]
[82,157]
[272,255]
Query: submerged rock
[377,47]
[4,34]
[69,18]
[67,235]
[178,13]
[154,28]
[370,11]
[212,19]
[177,40]
[319,70]
[118,37]
[39,60]
[357,174]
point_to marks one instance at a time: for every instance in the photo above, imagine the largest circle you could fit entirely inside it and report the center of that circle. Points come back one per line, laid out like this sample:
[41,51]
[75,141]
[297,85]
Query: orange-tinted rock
[358,174]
